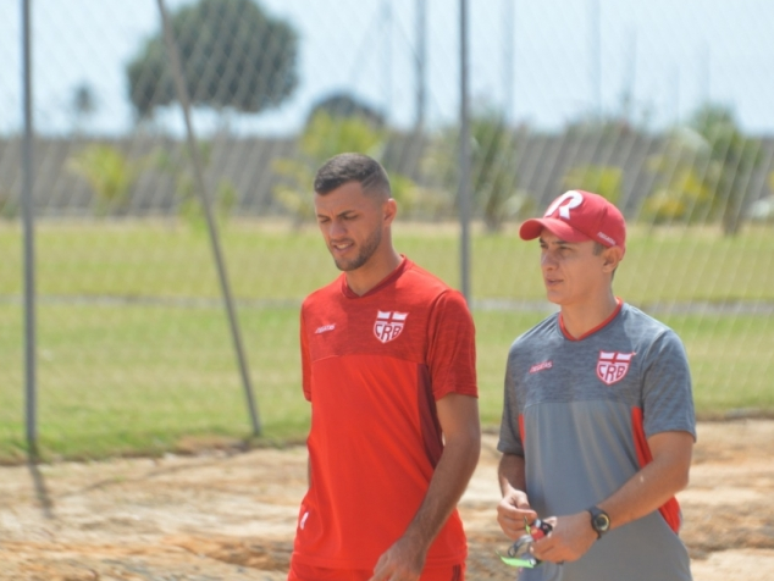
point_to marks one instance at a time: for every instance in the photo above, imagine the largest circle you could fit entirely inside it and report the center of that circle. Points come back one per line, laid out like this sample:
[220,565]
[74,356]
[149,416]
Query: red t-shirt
[373,367]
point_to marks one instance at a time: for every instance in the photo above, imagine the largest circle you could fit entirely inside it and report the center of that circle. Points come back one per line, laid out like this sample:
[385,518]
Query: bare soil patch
[231,516]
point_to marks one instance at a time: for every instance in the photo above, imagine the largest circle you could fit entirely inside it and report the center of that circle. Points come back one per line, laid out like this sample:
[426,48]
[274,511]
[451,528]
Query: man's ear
[390,210]
[611,258]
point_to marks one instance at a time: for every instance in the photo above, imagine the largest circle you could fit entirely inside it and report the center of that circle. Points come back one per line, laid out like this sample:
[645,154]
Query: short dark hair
[352,167]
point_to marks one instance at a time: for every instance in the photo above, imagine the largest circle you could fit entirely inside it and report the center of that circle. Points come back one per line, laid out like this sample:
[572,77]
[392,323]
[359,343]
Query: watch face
[601,522]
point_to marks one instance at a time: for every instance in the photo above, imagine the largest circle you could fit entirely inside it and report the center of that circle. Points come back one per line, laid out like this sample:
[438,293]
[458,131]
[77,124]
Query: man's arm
[643,493]
[513,512]
[458,417]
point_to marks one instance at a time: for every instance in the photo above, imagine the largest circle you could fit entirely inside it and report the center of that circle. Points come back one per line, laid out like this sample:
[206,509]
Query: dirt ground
[226,515]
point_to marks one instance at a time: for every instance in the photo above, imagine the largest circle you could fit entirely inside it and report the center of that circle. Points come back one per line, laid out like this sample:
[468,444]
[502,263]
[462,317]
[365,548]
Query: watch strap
[600,520]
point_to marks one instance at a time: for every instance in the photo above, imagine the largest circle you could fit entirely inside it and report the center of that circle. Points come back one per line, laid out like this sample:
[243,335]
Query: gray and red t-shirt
[580,412]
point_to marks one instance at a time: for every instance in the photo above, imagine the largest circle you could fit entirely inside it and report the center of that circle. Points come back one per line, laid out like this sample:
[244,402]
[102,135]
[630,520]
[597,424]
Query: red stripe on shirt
[670,510]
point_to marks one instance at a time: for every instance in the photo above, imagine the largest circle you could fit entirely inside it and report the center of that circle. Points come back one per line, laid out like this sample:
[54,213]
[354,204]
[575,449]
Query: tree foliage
[233,55]
[679,193]
[605,180]
[704,172]
[177,164]
[324,137]
[344,105]
[493,167]
[83,106]
[109,173]
[730,162]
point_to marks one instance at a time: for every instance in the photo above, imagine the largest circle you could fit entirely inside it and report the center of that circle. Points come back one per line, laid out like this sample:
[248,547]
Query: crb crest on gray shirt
[579,412]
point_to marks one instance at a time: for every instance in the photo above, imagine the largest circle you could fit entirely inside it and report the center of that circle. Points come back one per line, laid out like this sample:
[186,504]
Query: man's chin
[346,265]
[554,298]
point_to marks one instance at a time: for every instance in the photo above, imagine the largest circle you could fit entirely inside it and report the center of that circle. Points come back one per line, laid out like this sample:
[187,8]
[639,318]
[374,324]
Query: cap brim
[531,229]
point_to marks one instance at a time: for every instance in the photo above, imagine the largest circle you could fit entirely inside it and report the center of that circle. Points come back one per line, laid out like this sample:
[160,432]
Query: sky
[544,64]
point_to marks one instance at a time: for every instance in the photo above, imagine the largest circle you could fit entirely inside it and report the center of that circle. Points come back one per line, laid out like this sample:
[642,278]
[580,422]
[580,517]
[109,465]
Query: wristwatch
[600,521]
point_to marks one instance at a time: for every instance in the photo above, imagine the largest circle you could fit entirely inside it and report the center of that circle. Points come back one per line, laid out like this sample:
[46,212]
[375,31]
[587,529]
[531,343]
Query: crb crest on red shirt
[389,325]
[612,366]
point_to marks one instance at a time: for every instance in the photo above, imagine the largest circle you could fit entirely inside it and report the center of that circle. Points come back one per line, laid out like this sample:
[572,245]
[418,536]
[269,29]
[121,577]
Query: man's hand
[514,514]
[571,538]
[403,561]
[458,418]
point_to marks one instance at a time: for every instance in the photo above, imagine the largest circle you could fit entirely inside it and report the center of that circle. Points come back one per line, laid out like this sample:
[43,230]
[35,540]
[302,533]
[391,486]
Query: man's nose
[336,229]
[547,259]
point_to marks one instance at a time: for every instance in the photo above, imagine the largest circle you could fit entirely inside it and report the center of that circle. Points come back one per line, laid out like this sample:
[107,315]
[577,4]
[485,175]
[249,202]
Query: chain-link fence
[662,109]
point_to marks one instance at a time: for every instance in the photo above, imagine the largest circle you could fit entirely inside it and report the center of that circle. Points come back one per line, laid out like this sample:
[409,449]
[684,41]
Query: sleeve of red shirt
[452,347]
[306,381]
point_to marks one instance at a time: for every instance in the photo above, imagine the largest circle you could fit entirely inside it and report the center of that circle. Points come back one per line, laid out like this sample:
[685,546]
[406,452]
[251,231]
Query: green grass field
[273,262]
[156,370]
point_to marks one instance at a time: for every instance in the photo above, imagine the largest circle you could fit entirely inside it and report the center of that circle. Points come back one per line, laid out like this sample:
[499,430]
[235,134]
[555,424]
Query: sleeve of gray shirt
[510,436]
[667,399]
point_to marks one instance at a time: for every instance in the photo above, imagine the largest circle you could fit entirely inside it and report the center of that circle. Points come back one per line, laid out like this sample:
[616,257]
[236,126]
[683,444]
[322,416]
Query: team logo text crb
[388,325]
[613,366]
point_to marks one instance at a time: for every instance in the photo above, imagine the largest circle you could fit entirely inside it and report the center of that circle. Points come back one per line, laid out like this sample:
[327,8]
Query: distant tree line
[236,57]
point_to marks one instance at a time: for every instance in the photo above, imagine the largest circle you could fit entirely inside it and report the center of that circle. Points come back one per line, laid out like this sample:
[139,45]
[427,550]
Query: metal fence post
[182,93]
[464,153]
[28,209]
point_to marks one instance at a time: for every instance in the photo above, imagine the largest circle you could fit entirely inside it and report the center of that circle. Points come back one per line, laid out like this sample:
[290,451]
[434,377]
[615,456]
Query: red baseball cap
[578,216]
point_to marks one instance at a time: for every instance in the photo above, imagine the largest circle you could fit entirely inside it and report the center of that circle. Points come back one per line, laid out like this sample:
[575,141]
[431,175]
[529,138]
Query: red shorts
[301,572]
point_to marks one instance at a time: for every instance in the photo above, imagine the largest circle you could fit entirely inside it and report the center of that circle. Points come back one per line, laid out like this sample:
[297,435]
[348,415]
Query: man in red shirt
[388,355]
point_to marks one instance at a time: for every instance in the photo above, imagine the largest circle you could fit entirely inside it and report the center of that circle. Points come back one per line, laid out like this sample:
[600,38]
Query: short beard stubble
[366,251]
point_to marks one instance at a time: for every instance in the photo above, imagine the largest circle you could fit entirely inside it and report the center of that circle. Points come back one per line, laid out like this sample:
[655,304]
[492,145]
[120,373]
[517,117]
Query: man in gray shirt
[598,423]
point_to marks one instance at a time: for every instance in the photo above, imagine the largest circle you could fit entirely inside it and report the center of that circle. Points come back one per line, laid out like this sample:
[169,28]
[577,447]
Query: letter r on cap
[564,203]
